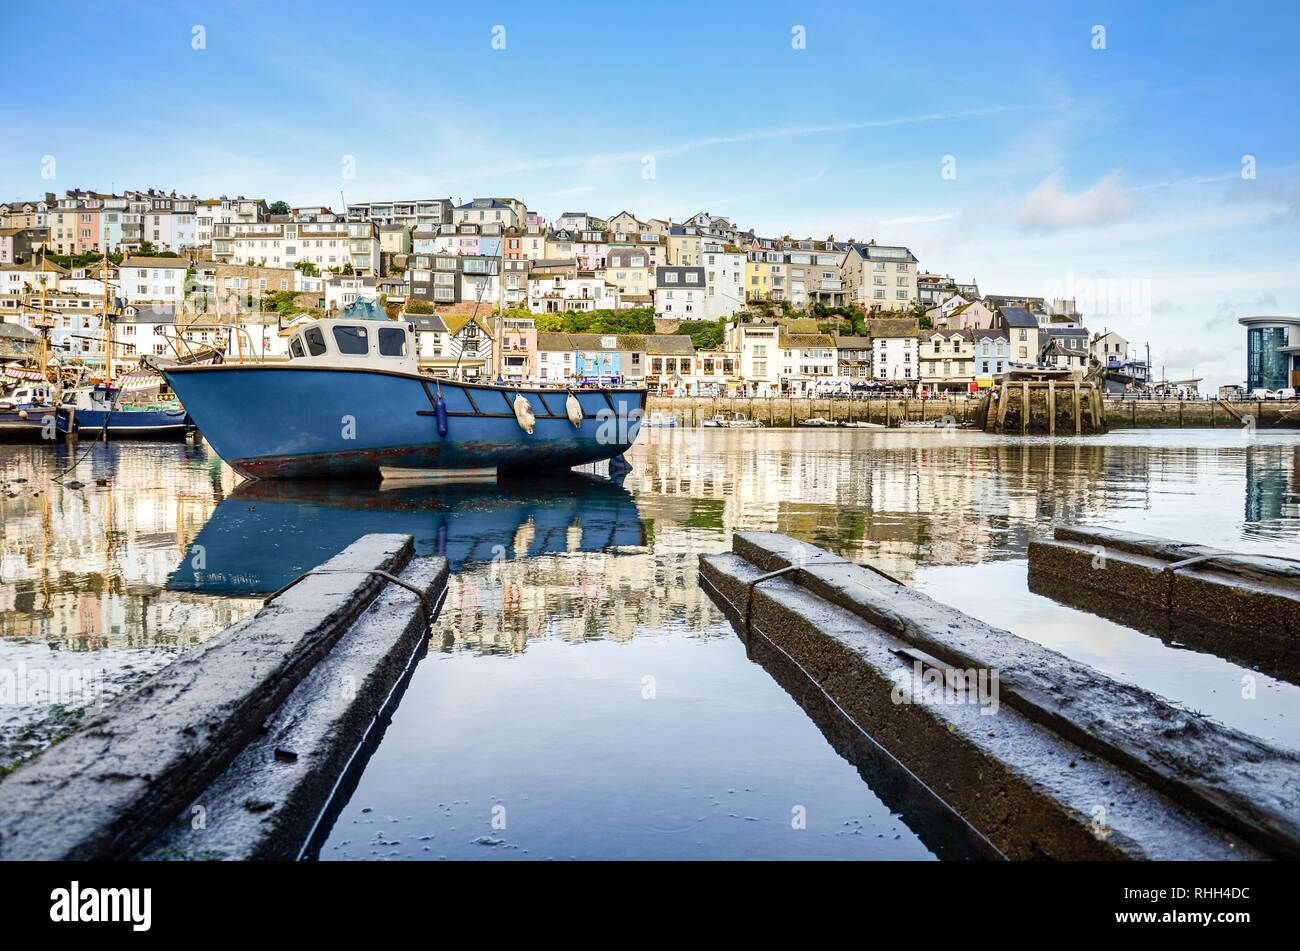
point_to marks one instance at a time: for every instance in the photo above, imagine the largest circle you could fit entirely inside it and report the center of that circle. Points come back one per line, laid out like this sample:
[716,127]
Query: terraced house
[880,275]
[947,360]
[805,360]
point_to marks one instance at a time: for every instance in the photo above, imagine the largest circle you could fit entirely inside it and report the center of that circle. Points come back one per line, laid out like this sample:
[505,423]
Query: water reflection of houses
[87,567]
[939,498]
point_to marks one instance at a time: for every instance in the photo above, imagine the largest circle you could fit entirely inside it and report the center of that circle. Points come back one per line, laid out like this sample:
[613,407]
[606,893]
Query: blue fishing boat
[351,401]
[92,410]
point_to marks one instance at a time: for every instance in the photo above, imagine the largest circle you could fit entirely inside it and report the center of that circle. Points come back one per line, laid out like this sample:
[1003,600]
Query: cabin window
[295,348]
[392,342]
[352,341]
[315,341]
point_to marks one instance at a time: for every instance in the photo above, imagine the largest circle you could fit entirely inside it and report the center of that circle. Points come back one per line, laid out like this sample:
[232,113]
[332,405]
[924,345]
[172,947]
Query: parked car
[1286,393]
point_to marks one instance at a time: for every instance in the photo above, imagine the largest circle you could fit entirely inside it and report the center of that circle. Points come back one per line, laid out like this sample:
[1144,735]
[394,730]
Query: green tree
[278,208]
[308,269]
[705,334]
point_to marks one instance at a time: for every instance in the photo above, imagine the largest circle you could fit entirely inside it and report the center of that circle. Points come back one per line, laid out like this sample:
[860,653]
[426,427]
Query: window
[392,342]
[315,341]
[295,348]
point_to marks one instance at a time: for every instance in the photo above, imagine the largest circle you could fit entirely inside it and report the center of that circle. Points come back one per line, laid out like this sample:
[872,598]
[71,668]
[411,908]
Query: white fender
[524,413]
[574,409]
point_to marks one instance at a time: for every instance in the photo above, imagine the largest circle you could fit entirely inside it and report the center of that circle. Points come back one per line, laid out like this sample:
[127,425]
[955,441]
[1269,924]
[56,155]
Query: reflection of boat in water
[266,533]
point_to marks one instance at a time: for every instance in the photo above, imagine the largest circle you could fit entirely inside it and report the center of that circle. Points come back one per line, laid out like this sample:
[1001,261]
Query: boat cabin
[30,394]
[341,343]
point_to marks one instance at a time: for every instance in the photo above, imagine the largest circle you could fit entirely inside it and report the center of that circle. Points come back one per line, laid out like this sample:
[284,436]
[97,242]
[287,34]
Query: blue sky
[1075,167]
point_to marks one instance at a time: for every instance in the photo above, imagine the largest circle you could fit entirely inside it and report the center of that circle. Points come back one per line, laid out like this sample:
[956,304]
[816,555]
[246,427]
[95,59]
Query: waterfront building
[1065,348]
[554,358]
[880,275]
[894,349]
[805,360]
[947,360]
[716,372]
[670,364]
[1272,352]
[608,358]
[1022,330]
[514,357]
[853,357]
[758,344]
[992,356]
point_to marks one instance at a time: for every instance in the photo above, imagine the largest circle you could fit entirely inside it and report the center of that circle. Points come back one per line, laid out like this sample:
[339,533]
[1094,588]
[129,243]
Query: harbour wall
[1120,414]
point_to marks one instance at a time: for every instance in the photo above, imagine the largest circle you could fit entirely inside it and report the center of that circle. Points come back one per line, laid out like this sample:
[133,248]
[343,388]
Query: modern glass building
[1272,352]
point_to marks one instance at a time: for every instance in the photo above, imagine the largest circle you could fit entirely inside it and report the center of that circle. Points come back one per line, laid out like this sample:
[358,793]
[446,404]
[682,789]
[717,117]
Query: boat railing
[177,340]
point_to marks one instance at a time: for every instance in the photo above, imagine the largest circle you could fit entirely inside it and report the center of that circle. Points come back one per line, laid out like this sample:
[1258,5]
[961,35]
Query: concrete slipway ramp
[1051,760]
[236,748]
[1242,607]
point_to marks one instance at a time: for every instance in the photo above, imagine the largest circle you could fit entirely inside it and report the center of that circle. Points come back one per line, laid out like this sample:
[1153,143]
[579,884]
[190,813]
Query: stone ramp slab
[109,788]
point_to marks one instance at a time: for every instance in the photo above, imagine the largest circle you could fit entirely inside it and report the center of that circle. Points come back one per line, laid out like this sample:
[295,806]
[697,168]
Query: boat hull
[32,423]
[286,421]
[138,424]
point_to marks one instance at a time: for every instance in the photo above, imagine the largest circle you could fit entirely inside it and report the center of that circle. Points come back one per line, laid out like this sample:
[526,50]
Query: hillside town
[496,291]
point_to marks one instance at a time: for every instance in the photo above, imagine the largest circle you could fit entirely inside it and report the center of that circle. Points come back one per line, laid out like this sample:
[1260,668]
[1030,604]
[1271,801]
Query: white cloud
[1049,207]
[918,219]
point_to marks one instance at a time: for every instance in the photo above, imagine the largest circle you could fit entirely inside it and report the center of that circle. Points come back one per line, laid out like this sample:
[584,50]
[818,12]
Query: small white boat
[816,421]
[717,421]
[663,420]
[741,421]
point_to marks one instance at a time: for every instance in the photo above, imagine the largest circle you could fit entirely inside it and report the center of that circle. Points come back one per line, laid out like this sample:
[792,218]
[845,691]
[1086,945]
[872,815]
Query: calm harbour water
[582,697]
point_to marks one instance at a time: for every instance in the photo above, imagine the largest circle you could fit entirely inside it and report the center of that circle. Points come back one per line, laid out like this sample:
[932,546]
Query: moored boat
[101,409]
[351,400]
[31,413]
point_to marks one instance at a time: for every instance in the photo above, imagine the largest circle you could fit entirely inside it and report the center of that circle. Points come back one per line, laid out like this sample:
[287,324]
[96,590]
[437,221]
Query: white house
[894,349]
[345,289]
[158,280]
[724,282]
[759,346]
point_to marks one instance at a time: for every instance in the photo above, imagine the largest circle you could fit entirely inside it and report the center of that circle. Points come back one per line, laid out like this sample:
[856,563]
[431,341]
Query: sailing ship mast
[108,324]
